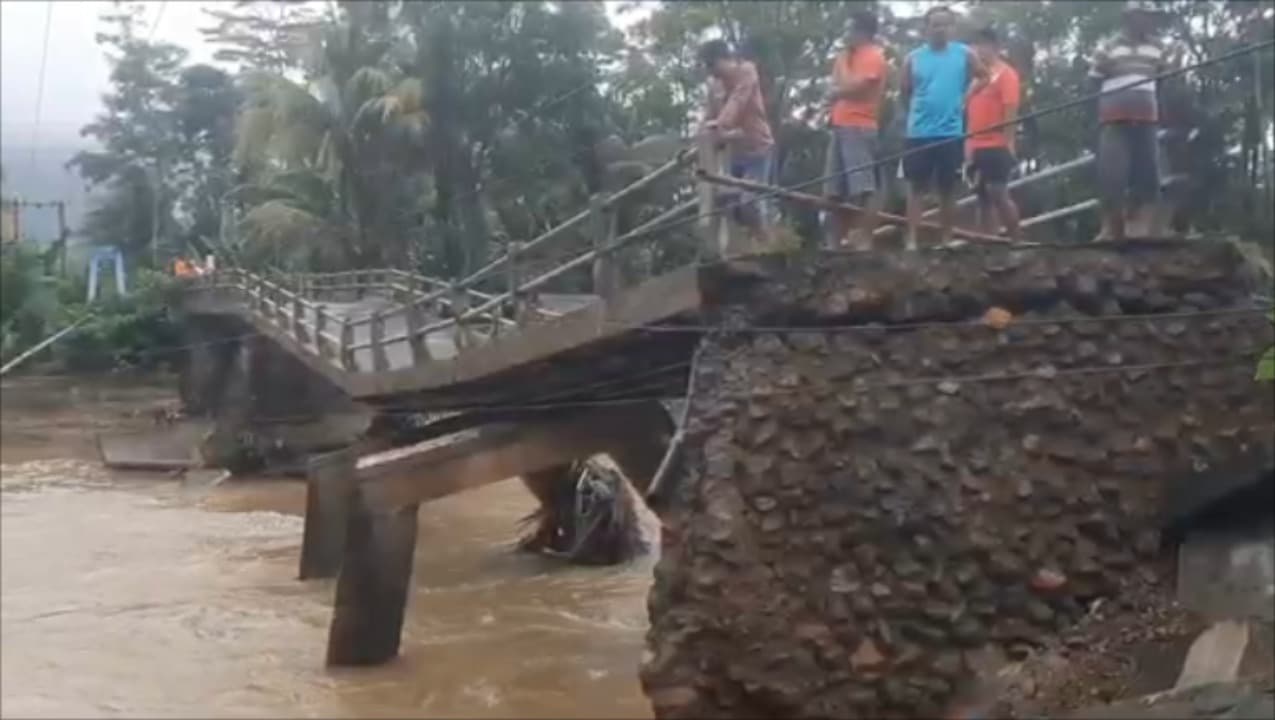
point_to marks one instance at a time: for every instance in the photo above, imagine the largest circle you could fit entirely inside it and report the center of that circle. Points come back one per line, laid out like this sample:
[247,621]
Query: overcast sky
[76,71]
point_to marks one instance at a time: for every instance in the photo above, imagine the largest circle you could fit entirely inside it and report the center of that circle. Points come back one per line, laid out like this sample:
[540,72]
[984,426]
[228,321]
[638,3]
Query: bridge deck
[579,340]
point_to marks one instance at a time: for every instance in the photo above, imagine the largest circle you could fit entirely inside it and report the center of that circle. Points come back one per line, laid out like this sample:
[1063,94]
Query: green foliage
[27,301]
[133,331]
[427,135]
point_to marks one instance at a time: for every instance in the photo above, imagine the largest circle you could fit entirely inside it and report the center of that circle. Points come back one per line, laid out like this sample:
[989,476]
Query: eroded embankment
[864,502]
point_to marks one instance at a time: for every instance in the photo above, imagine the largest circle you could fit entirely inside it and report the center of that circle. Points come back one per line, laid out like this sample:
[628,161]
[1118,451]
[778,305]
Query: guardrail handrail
[290,301]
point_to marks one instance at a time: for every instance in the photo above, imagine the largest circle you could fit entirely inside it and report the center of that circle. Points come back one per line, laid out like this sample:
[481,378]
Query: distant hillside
[47,180]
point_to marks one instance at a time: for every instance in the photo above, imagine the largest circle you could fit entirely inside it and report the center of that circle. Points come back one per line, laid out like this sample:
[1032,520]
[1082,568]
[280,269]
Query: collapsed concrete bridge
[888,460]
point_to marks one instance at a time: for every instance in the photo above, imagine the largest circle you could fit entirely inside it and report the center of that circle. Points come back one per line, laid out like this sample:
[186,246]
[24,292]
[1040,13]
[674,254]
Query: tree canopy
[427,135]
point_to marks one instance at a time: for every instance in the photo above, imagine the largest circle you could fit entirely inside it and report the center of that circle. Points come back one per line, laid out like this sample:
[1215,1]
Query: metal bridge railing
[299,305]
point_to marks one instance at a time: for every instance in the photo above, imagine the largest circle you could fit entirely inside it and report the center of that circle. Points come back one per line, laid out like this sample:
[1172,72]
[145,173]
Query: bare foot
[858,241]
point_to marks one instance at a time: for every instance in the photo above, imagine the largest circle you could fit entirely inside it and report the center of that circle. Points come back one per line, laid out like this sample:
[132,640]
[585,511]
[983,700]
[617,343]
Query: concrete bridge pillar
[939,455]
[270,408]
[372,591]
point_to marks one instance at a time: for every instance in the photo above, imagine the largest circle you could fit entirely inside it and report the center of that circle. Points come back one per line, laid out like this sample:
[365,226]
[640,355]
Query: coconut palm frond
[280,220]
[294,104]
[368,82]
[293,236]
[411,93]
[255,127]
[328,93]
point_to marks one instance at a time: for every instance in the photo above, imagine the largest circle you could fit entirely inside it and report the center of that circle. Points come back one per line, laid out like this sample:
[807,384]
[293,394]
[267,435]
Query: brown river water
[143,595]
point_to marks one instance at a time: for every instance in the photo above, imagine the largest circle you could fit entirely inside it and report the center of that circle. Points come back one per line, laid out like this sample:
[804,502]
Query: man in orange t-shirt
[989,156]
[858,83]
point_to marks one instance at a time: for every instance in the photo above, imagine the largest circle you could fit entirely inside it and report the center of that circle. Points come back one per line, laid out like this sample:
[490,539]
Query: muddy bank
[954,451]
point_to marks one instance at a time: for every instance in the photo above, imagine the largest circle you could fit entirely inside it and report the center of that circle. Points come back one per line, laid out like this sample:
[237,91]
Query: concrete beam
[388,487]
[477,457]
[330,485]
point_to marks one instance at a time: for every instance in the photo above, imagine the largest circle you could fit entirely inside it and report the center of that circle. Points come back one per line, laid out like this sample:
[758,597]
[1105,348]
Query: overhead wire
[722,329]
[39,93]
[562,399]
[1048,373]
[158,17]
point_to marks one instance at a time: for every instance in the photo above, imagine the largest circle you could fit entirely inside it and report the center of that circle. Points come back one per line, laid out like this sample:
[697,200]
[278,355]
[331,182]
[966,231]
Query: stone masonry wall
[864,504]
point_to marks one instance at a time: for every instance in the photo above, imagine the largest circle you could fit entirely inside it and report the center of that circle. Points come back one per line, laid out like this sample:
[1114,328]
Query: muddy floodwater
[144,595]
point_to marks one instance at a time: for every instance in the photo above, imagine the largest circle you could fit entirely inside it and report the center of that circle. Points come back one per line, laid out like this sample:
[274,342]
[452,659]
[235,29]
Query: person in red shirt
[989,154]
[858,83]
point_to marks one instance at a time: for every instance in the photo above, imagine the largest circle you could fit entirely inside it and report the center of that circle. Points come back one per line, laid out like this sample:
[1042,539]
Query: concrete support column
[371,593]
[330,482]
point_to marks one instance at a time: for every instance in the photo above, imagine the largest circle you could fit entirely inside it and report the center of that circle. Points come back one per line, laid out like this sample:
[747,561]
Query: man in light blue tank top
[935,81]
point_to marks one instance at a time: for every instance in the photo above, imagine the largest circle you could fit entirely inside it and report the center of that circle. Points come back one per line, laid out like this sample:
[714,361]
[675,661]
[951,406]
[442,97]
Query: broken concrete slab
[1215,655]
[1229,701]
[1229,572]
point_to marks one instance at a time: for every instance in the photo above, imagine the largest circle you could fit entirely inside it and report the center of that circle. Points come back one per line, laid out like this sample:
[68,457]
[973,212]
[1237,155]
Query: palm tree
[328,158]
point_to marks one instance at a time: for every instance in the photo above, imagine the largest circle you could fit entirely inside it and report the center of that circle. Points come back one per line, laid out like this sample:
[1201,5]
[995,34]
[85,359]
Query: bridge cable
[879,327]
[726,330]
[1045,373]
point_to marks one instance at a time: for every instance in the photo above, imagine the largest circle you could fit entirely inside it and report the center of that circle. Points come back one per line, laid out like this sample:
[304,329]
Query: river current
[142,594]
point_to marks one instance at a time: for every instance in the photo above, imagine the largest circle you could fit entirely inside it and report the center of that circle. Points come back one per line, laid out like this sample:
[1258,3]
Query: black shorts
[1128,159]
[936,166]
[992,166]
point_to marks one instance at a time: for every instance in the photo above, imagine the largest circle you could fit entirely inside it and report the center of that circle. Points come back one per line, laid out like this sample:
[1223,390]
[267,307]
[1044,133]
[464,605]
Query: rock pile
[935,453]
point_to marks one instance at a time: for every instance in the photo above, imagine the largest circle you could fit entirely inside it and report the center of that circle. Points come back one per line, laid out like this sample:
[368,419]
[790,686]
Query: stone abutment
[895,462]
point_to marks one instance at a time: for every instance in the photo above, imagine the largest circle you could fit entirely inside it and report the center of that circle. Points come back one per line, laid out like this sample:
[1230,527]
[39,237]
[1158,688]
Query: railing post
[511,274]
[710,224]
[460,306]
[377,335]
[602,226]
[298,321]
[347,341]
[258,294]
[415,320]
[320,327]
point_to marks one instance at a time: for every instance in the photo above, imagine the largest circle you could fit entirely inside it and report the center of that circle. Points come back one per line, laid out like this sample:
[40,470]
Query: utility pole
[1263,152]
[64,236]
[155,176]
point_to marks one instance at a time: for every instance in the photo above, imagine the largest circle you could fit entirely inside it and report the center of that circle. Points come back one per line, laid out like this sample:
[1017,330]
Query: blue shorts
[754,167]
